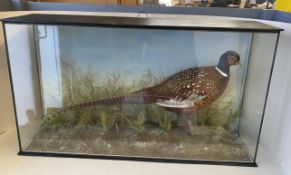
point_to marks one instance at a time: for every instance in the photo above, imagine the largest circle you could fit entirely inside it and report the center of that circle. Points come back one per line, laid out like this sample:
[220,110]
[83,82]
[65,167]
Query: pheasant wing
[192,88]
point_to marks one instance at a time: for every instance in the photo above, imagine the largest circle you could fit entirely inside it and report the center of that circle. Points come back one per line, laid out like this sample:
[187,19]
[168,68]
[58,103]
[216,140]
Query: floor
[11,164]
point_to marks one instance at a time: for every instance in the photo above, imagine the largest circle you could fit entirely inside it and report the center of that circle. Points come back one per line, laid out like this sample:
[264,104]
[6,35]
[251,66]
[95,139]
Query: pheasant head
[226,60]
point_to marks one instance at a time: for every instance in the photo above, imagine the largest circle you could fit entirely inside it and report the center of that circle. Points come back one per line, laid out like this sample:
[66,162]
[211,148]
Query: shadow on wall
[31,116]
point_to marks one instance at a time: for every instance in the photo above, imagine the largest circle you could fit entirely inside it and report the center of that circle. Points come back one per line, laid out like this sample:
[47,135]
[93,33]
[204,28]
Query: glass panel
[154,93]
[26,87]
[256,86]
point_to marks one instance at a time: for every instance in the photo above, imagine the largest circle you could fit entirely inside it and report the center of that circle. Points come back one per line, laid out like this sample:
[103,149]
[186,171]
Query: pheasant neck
[223,69]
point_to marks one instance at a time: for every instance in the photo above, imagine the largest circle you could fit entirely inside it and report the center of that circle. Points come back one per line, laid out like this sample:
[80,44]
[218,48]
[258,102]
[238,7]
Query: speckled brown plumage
[191,89]
[186,91]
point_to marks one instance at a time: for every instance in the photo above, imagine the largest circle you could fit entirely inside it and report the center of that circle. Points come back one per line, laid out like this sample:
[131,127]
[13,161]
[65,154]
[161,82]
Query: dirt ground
[203,144]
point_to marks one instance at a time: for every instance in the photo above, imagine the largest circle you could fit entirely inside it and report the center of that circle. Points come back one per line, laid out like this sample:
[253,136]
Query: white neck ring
[221,72]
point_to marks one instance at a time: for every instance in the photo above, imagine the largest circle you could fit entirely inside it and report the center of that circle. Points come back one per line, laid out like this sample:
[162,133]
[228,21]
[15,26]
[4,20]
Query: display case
[171,90]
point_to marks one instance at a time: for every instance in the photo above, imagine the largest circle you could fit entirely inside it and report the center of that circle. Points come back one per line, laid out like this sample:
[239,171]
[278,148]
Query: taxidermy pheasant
[186,91]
